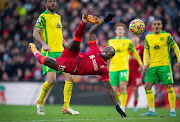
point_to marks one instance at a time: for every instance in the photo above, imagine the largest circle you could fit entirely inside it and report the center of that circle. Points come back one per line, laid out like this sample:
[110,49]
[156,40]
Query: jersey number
[61,68]
[123,74]
[169,75]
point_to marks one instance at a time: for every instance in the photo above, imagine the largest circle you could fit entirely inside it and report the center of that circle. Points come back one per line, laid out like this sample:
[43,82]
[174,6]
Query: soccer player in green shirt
[157,45]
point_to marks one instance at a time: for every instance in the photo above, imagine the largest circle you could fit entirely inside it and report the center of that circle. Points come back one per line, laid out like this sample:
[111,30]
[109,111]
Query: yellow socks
[45,89]
[171,98]
[67,93]
[150,99]
[118,96]
[123,98]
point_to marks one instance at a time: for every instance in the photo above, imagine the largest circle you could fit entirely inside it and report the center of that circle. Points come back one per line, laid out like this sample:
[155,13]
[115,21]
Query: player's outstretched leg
[50,62]
[74,45]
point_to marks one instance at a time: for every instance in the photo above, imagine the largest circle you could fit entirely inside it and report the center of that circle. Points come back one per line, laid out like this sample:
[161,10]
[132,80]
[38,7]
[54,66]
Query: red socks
[40,58]
[135,103]
[80,31]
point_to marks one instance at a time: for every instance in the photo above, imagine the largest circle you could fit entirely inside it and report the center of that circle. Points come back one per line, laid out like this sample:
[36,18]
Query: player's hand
[120,111]
[145,69]
[177,65]
[46,47]
[140,69]
[109,17]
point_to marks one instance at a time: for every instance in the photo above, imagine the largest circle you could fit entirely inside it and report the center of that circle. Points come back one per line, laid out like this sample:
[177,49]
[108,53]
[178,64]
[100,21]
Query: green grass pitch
[87,114]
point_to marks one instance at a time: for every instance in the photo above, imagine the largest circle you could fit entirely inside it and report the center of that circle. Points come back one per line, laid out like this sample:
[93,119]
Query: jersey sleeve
[146,45]
[93,44]
[105,75]
[40,23]
[171,40]
[131,47]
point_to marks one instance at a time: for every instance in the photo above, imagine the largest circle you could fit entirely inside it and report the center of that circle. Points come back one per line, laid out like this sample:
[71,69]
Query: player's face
[51,5]
[157,26]
[120,31]
[107,53]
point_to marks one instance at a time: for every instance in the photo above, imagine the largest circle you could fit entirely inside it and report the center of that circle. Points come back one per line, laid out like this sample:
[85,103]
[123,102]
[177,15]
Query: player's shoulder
[127,40]
[44,14]
[141,47]
[57,15]
[149,34]
[112,39]
[165,33]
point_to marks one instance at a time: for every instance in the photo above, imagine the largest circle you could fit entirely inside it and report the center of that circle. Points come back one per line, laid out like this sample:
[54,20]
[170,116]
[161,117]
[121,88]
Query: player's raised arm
[94,29]
[111,94]
[177,52]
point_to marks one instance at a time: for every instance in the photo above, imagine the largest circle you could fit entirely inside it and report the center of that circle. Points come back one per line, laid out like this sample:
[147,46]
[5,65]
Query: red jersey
[133,64]
[91,62]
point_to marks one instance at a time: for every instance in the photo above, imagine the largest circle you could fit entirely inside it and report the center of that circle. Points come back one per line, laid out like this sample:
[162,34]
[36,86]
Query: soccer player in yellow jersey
[48,31]
[119,64]
[157,45]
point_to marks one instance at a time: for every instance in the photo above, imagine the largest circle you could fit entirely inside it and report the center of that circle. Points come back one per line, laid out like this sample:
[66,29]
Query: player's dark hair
[157,19]
[119,24]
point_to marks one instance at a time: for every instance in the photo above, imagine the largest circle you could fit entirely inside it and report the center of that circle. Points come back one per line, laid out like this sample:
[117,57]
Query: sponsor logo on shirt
[58,25]
[156,47]
[92,57]
[38,21]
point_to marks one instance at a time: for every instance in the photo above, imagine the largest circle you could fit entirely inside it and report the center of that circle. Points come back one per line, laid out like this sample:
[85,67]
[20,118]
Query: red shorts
[135,79]
[68,61]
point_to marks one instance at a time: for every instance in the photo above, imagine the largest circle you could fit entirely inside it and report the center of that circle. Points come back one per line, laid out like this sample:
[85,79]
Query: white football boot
[70,111]
[40,110]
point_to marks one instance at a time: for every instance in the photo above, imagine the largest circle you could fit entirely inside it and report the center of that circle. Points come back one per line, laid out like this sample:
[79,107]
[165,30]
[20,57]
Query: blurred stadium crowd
[18,17]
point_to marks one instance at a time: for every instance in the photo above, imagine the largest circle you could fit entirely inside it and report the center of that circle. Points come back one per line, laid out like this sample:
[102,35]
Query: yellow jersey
[51,30]
[159,48]
[121,59]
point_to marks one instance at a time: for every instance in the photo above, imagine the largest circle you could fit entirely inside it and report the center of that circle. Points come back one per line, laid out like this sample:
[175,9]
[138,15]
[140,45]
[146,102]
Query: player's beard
[51,9]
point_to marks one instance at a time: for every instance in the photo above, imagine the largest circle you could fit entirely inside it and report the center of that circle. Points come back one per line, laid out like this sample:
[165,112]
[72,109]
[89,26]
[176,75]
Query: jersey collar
[105,62]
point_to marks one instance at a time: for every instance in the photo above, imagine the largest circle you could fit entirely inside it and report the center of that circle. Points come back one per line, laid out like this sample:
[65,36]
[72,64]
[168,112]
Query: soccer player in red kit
[93,62]
[135,76]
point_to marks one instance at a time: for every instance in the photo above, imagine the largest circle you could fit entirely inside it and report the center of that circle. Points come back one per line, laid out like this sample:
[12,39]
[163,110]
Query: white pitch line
[102,119]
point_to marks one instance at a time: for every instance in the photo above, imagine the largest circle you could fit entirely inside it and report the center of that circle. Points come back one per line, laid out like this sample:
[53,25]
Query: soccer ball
[136,26]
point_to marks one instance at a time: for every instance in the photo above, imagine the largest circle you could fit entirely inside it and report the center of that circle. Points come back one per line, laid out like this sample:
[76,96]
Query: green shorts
[52,55]
[163,72]
[118,76]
